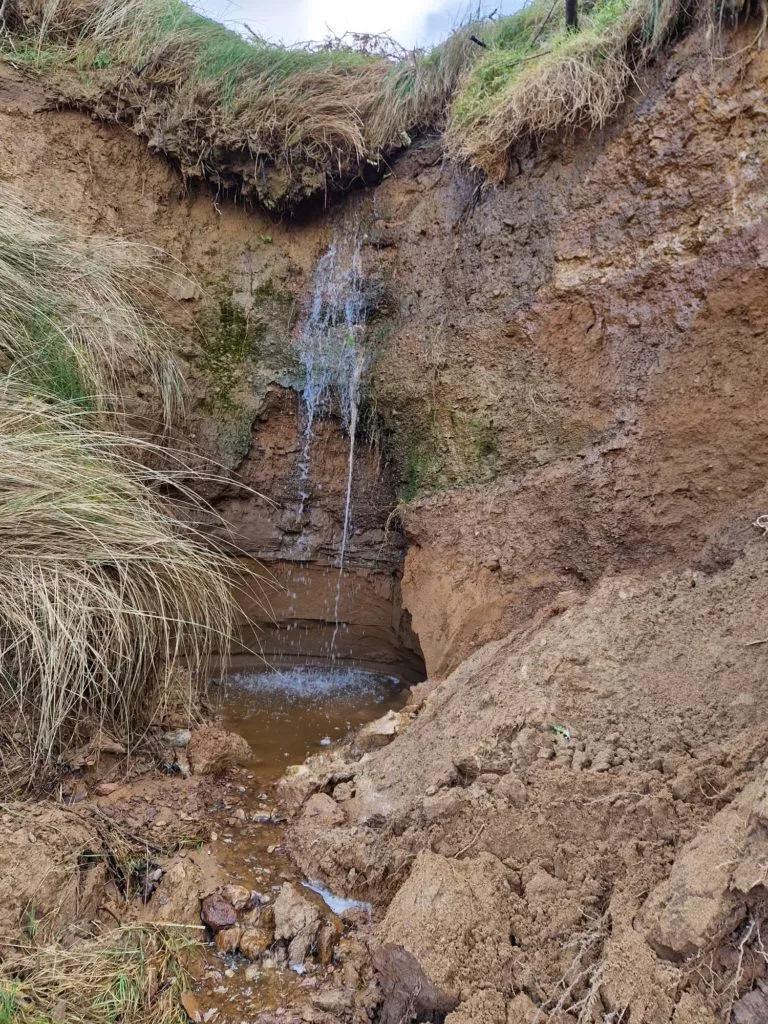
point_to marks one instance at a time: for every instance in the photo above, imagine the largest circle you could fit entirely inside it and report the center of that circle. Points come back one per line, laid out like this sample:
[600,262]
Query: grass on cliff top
[283,124]
[300,119]
[537,77]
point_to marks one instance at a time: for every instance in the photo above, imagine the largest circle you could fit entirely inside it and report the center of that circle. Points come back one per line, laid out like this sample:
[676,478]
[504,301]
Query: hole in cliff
[335,652]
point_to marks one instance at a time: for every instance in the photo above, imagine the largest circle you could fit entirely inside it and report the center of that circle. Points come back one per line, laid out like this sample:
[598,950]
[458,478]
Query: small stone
[255,941]
[237,895]
[430,790]
[217,913]
[328,935]
[105,788]
[228,939]
[334,1000]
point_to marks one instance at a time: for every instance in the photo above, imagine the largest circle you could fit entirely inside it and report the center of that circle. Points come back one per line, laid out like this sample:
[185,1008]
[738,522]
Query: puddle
[338,904]
[285,715]
[288,714]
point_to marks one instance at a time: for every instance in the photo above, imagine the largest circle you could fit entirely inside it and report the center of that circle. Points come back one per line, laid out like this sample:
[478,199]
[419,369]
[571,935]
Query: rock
[107,788]
[177,898]
[257,940]
[445,804]
[344,791]
[333,1000]
[228,939]
[191,1007]
[178,739]
[217,913]
[297,920]
[378,734]
[447,926]
[512,788]
[328,935]
[237,895]
[297,784]
[212,750]
[752,1008]
[700,901]
[419,693]
[322,811]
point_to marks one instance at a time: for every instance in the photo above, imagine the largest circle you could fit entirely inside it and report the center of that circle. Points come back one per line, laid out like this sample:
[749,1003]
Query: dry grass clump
[537,77]
[280,124]
[134,975]
[104,592]
[75,314]
[276,123]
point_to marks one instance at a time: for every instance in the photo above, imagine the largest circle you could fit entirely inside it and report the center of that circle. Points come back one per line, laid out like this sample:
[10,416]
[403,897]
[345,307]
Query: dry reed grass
[76,314]
[105,594]
[134,975]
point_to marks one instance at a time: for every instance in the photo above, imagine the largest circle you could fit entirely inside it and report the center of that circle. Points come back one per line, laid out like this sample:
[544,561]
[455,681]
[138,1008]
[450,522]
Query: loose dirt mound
[50,871]
[611,763]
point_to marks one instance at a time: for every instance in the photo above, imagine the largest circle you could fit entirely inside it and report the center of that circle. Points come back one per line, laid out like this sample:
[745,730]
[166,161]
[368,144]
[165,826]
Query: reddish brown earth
[570,827]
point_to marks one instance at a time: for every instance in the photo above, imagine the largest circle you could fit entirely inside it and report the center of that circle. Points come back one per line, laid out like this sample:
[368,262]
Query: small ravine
[285,715]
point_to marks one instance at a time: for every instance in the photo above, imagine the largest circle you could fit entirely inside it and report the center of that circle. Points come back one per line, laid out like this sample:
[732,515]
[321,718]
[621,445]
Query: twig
[754,643]
[471,842]
[142,840]
[543,25]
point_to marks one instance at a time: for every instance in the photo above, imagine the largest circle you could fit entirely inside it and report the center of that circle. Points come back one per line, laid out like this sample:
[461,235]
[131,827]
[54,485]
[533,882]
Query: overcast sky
[411,22]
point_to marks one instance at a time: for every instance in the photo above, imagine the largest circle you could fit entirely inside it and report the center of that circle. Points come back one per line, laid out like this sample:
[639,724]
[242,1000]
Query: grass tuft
[134,975]
[537,77]
[105,592]
[76,315]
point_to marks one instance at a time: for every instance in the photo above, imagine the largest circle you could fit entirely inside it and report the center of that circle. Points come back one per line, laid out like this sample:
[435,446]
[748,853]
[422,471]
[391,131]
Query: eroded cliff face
[567,395]
[568,370]
[239,291]
[585,348]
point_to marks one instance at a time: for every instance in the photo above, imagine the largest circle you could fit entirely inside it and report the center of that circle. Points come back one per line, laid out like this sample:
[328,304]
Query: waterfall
[333,355]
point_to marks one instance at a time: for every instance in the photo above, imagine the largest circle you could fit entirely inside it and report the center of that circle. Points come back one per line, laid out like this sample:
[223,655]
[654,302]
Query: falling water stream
[333,355]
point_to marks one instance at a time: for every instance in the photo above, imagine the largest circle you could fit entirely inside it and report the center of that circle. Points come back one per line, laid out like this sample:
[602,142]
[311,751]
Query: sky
[410,22]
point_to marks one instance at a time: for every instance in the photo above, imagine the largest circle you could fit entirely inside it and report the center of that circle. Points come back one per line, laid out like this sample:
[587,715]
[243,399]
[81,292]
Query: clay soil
[569,822]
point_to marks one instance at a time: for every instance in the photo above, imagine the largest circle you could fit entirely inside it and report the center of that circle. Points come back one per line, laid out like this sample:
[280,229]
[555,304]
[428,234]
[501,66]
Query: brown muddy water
[286,715]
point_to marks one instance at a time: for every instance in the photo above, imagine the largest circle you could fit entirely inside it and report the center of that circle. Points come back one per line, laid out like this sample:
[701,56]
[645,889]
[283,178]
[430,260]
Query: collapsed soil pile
[586,839]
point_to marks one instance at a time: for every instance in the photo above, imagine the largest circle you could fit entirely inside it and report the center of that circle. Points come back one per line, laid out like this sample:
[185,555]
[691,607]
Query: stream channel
[286,715]
[292,710]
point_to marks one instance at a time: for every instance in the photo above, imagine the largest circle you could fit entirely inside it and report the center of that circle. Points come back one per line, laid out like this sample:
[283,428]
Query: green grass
[77,315]
[537,77]
[132,975]
[311,119]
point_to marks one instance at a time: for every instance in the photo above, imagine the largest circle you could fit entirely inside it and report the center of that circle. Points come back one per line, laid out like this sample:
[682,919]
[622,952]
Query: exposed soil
[568,823]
